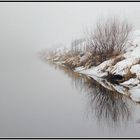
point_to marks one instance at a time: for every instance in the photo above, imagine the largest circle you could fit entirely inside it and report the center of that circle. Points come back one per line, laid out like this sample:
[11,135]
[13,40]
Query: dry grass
[107,40]
[128,76]
[117,59]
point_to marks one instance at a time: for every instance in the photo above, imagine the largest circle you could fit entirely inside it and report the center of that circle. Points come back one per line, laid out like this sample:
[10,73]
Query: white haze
[36,100]
[41,25]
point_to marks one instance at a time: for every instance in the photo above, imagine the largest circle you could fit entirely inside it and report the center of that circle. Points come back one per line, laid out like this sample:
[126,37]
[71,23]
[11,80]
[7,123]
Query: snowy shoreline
[126,65]
[130,63]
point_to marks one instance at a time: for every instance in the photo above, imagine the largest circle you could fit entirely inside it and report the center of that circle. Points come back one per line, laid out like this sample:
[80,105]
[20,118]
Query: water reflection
[109,106]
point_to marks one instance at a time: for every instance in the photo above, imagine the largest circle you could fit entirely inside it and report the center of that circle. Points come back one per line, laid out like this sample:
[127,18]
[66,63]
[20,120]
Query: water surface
[40,101]
[37,100]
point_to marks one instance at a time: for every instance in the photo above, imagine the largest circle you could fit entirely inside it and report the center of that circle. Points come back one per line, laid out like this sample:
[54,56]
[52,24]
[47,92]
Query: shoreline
[122,71]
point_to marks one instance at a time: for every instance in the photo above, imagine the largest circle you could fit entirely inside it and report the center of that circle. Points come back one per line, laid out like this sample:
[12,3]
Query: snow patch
[78,69]
[123,66]
[136,69]
[131,82]
[135,94]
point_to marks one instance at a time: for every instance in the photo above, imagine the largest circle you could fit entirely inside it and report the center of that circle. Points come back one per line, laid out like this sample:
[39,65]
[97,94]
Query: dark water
[39,100]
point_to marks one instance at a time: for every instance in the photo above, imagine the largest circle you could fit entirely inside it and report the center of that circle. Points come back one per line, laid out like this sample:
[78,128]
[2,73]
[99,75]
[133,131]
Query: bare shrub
[109,38]
[73,54]
[77,47]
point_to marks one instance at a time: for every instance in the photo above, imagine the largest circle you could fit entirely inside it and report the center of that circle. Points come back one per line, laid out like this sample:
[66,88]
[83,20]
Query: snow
[132,58]
[135,94]
[130,63]
[136,69]
[135,52]
[92,72]
[79,69]
[131,82]
[105,65]
[96,71]
[123,66]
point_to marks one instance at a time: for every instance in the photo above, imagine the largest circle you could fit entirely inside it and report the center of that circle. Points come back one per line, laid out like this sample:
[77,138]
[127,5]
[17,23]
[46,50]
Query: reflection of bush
[110,106]
[107,105]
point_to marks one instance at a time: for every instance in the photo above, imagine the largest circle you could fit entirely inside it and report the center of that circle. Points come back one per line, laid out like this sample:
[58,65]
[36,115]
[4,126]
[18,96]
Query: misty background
[40,25]
[35,99]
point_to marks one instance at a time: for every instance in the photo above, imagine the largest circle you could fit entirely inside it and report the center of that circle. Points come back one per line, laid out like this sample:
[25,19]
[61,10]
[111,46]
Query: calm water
[38,100]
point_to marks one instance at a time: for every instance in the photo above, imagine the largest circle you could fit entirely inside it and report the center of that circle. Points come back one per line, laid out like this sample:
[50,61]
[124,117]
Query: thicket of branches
[109,38]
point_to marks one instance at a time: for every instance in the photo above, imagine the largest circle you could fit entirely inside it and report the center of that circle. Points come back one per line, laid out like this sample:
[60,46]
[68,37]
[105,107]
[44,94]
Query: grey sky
[44,24]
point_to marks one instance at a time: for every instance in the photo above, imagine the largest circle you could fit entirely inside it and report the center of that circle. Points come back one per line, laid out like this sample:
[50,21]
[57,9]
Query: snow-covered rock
[136,69]
[131,82]
[94,71]
[78,69]
[132,58]
[124,66]
[129,65]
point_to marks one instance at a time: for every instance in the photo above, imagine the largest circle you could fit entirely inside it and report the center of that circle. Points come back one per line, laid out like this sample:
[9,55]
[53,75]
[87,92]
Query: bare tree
[109,38]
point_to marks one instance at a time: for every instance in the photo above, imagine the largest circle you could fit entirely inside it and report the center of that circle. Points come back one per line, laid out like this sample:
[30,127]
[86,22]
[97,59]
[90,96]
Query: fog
[40,25]
[35,99]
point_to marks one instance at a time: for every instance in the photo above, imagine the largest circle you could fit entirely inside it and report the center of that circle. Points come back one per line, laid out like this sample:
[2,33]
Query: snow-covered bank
[128,67]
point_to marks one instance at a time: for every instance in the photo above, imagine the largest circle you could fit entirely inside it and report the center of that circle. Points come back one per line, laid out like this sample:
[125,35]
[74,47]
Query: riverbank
[120,73]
